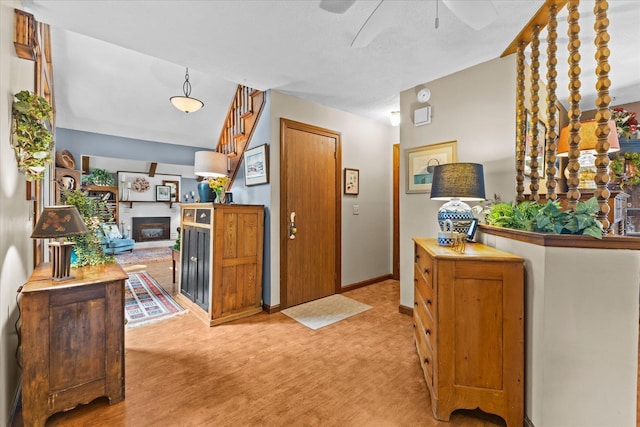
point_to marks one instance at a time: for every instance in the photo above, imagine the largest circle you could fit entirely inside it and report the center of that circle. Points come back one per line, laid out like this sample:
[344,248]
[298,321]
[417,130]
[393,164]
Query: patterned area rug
[325,311]
[146,302]
[144,255]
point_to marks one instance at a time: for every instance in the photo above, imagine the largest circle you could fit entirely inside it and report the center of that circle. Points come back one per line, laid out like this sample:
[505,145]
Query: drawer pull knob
[429,302]
[415,303]
[418,256]
[426,271]
[427,361]
[193,259]
[427,331]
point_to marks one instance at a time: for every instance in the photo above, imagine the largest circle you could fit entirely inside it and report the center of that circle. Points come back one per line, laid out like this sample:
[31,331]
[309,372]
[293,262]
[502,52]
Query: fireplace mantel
[131,202]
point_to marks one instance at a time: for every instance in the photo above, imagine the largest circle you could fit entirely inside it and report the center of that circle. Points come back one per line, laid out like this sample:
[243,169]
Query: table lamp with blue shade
[457,183]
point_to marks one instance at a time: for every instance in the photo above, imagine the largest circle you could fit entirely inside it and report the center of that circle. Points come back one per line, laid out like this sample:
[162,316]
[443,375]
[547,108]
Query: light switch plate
[356,209]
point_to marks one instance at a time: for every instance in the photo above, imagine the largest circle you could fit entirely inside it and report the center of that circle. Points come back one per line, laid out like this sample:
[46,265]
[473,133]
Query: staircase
[238,127]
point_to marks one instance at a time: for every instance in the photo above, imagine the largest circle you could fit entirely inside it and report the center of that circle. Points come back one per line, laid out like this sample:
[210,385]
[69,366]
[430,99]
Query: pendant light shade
[186,103]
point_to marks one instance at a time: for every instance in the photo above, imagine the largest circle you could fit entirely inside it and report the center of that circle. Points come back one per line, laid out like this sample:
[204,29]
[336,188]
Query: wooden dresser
[72,335]
[469,328]
[221,260]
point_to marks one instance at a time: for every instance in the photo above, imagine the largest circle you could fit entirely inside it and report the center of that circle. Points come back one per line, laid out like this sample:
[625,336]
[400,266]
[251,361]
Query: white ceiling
[116,63]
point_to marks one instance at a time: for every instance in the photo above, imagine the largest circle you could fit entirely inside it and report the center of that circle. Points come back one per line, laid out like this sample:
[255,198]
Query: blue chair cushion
[113,242]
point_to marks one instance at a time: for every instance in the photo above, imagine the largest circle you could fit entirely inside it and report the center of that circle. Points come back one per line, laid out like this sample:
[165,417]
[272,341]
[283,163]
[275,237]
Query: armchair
[113,242]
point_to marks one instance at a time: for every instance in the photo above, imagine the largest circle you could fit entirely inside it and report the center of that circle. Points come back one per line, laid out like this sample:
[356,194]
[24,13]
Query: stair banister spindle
[551,146]
[520,122]
[534,176]
[603,114]
[573,31]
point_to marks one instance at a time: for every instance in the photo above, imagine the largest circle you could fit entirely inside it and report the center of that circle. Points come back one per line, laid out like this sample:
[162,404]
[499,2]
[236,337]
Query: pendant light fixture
[186,103]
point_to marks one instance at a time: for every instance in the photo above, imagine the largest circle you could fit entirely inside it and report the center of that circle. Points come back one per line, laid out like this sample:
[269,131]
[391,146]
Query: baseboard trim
[405,310]
[17,397]
[365,283]
[528,422]
[270,309]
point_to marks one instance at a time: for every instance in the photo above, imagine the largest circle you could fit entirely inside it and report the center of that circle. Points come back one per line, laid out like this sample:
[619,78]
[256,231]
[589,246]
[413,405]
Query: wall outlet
[356,209]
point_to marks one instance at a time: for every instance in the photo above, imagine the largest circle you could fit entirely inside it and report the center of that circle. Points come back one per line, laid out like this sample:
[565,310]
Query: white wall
[16,258]
[581,334]
[475,107]
[366,145]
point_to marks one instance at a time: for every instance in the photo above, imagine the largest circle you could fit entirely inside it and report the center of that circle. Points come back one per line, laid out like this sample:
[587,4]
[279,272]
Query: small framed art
[351,181]
[163,193]
[175,189]
[256,167]
[421,162]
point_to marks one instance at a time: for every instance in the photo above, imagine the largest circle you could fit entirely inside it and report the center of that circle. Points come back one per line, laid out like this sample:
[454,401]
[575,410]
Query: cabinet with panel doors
[221,260]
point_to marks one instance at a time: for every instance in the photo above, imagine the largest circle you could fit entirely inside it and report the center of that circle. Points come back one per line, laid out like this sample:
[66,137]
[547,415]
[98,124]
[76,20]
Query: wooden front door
[310,187]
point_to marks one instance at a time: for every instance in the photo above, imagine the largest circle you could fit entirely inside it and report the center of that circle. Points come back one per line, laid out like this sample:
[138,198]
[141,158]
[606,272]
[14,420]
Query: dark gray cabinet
[194,283]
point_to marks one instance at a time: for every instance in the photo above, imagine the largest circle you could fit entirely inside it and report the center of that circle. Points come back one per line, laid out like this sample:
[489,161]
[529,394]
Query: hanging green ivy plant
[31,139]
[88,247]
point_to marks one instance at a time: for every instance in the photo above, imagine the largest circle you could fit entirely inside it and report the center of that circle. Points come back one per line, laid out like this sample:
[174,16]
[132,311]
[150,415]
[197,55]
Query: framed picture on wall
[421,162]
[256,167]
[175,189]
[163,193]
[351,181]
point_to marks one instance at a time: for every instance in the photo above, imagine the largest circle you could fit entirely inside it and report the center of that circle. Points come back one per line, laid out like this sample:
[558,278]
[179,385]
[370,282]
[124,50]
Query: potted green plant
[548,217]
[31,139]
[99,177]
[88,248]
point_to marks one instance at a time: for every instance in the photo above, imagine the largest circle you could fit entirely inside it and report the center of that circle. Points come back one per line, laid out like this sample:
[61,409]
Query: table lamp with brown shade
[58,222]
[588,139]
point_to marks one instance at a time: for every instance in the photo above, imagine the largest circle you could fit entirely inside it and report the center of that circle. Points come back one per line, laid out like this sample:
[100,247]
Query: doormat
[146,302]
[139,256]
[325,311]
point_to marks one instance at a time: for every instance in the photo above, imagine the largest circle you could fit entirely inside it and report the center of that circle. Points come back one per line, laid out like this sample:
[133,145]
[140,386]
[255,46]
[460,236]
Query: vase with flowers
[218,185]
[626,122]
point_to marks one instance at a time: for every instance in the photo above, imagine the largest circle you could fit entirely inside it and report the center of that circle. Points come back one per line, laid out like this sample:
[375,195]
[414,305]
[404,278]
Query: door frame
[286,124]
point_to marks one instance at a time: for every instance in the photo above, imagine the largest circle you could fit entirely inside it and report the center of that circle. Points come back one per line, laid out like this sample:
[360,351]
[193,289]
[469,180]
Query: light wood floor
[268,370]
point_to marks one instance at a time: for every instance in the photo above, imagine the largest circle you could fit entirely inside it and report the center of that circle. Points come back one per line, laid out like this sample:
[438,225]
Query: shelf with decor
[68,179]
[131,202]
[109,195]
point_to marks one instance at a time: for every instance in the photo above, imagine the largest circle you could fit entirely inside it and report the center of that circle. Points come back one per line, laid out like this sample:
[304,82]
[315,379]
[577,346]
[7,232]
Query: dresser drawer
[427,293]
[426,357]
[424,264]
[426,319]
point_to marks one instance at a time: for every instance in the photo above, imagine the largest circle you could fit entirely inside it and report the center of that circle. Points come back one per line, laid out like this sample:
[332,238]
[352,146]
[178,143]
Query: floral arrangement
[218,184]
[626,122]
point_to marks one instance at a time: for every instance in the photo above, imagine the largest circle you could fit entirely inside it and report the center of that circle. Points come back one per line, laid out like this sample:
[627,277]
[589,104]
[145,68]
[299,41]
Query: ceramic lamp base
[458,212]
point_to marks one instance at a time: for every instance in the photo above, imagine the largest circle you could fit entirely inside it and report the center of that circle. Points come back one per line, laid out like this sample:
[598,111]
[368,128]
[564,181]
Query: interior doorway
[310,215]
[396,211]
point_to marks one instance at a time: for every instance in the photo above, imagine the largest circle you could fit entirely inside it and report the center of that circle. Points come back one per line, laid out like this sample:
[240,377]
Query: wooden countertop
[41,280]
[472,250]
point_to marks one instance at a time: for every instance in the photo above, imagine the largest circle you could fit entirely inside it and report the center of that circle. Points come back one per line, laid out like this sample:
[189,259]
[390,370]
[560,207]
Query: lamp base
[61,260]
[458,212]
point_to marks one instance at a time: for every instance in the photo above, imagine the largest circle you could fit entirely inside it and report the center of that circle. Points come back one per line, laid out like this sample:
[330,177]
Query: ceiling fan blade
[374,25]
[475,13]
[336,6]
